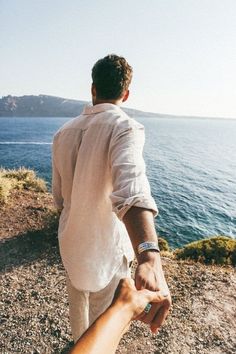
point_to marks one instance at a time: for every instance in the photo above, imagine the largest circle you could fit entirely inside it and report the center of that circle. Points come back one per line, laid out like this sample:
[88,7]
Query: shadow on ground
[25,248]
[66,349]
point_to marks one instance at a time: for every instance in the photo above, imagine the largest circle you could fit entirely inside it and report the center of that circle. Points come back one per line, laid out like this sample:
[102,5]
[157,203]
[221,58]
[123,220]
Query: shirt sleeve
[129,180]
[56,182]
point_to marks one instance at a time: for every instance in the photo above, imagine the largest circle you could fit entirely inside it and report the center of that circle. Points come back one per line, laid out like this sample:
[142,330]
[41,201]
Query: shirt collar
[101,107]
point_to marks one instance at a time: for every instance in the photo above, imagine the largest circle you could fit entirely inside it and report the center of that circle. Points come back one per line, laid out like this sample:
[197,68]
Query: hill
[49,106]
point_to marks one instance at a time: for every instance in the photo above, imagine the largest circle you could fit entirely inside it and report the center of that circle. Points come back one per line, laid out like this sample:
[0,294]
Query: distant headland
[51,106]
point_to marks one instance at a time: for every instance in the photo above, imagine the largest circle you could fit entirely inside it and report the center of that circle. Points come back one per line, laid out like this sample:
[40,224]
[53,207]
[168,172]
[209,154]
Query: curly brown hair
[111,76]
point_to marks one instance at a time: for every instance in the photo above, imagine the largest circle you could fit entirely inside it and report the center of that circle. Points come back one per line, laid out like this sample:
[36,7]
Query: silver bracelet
[146,246]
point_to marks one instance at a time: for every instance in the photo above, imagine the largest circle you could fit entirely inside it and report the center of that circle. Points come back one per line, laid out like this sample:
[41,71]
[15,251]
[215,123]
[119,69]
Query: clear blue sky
[183,52]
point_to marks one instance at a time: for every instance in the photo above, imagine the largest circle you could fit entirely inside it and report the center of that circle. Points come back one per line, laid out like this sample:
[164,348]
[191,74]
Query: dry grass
[5,188]
[21,178]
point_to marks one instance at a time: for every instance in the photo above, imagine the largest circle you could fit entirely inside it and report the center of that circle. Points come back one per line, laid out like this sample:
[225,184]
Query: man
[99,183]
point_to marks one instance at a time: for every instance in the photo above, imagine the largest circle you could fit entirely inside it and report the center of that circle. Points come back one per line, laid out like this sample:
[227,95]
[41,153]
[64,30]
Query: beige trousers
[85,306]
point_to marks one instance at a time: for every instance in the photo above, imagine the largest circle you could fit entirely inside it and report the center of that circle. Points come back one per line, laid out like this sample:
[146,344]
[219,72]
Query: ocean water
[191,166]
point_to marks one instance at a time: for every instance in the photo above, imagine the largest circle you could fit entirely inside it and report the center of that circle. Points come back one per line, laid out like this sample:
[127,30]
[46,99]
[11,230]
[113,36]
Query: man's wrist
[150,256]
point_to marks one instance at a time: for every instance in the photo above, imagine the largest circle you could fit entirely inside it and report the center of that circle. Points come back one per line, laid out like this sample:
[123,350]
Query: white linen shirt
[98,174]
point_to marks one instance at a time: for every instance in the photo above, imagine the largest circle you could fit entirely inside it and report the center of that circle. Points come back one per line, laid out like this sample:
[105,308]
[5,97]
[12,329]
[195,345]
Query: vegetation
[163,244]
[5,188]
[215,250]
[21,178]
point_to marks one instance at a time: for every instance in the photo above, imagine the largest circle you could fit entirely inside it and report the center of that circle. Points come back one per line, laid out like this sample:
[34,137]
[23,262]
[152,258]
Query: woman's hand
[135,300]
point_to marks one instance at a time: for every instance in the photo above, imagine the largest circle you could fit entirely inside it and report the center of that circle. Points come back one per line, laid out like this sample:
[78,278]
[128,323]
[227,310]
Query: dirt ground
[34,305]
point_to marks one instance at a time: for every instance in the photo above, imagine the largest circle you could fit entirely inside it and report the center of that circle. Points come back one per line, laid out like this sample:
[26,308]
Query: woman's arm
[104,335]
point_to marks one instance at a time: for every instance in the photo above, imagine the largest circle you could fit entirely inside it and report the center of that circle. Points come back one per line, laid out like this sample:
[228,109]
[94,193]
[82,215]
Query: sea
[190,163]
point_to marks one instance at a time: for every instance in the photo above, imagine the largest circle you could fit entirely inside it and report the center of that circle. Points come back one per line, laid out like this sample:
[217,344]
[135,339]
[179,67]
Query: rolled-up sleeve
[129,180]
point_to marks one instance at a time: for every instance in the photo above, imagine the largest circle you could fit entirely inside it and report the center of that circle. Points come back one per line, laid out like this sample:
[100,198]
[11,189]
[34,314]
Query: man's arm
[133,204]
[149,274]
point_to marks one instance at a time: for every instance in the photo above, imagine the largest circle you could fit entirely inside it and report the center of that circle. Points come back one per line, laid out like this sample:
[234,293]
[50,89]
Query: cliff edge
[35,307]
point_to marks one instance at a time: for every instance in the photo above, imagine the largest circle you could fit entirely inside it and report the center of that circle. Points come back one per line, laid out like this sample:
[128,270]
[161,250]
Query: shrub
[19,179]
[5,188]
[20,174]
[163,244]
[35,184]
[215,250]
[24,178]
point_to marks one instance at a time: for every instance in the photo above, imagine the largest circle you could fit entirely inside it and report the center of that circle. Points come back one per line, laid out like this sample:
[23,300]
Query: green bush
[163,244]
[215,250]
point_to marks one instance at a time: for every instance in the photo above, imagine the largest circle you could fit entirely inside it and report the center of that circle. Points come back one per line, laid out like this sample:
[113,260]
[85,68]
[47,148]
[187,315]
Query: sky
[183,52]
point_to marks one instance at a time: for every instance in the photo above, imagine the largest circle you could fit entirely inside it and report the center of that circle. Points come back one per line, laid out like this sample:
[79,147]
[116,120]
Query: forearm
[104,335]
[139,223]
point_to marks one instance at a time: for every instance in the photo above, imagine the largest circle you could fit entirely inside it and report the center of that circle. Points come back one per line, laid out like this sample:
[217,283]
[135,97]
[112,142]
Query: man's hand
[149,275]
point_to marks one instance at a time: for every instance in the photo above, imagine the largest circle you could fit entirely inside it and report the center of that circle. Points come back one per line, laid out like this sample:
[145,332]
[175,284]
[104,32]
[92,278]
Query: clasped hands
[149,287]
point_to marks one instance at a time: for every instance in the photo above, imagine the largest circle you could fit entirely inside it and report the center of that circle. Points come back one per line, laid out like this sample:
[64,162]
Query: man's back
[87,156]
